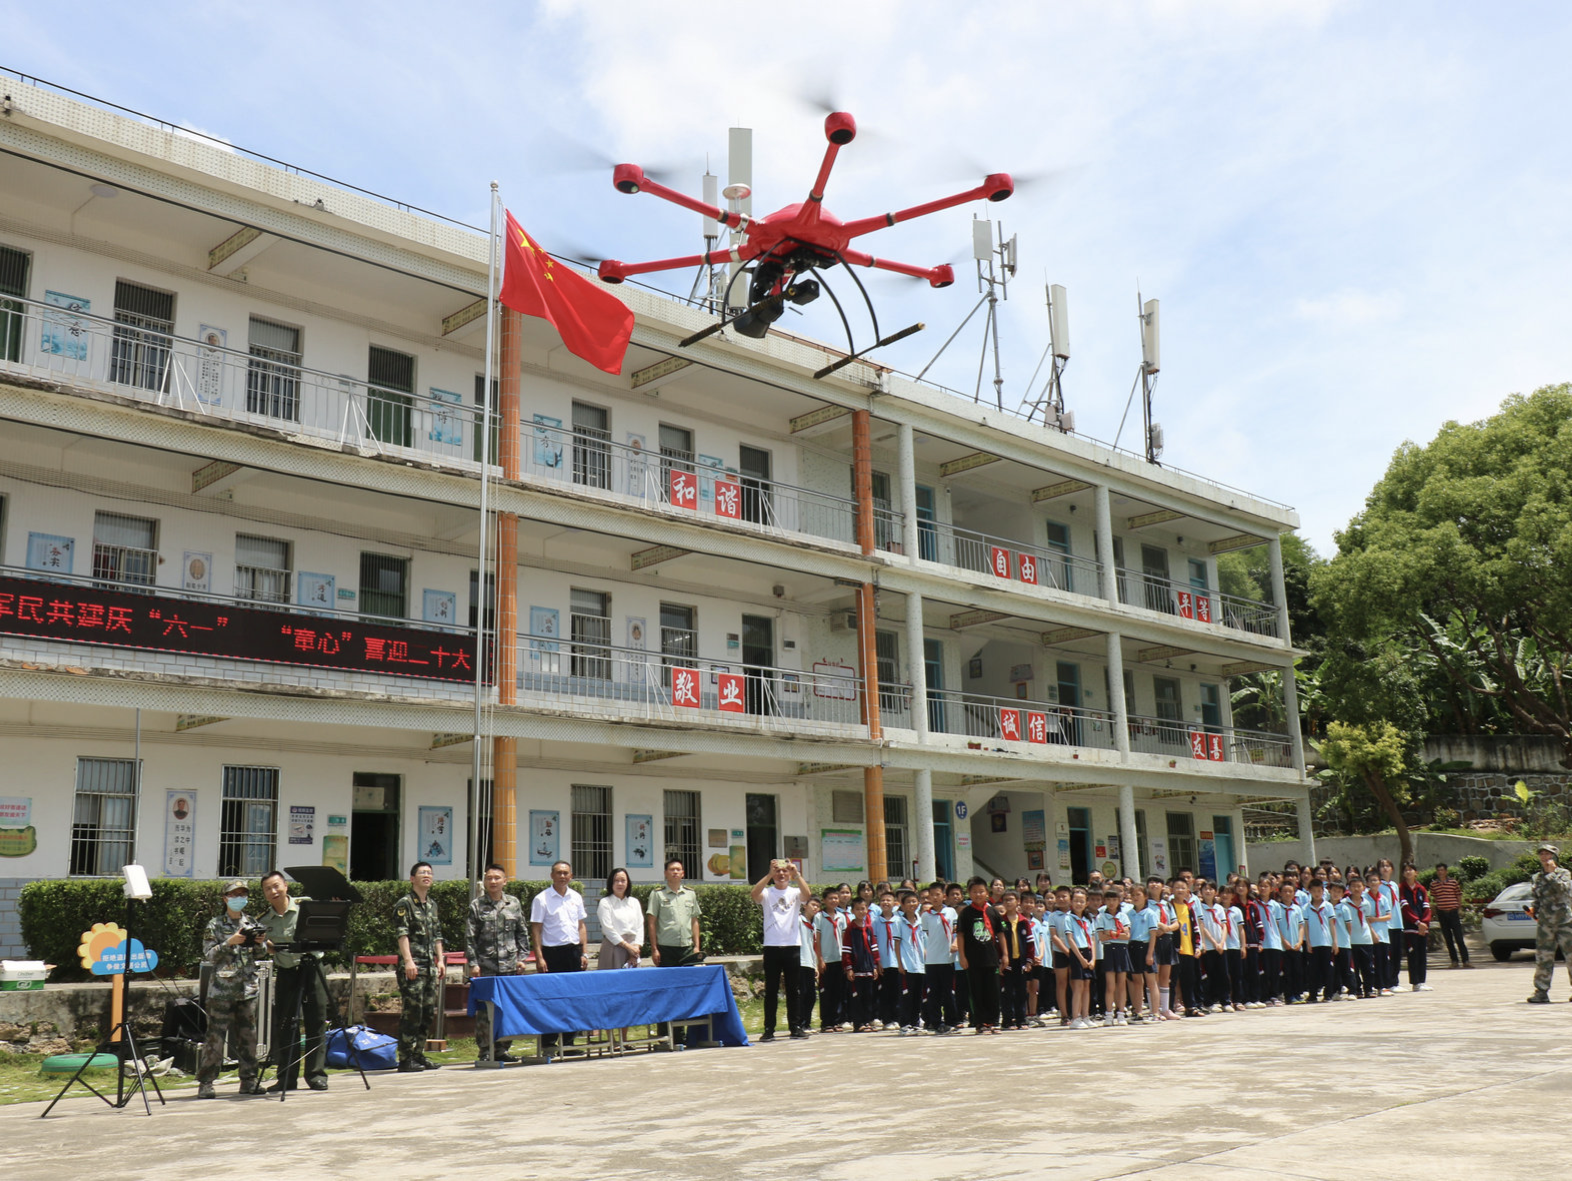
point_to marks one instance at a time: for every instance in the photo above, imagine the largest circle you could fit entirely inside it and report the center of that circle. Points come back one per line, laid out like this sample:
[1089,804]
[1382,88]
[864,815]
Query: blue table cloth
[564,1002]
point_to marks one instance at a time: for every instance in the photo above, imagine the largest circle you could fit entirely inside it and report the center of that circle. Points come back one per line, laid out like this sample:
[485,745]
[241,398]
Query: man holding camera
[232,944]
[782,893]
[421,968]
[296,984]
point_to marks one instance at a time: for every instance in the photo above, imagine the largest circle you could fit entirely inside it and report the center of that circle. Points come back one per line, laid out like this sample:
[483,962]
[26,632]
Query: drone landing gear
[878,344]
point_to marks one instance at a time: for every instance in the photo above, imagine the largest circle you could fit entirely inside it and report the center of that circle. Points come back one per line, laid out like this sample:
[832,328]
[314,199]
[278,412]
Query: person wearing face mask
[232,944]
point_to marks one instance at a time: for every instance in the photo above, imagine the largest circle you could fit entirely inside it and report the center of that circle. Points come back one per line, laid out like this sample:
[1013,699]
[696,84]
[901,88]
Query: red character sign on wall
[1203,608]
[1036,727]
[999,557]
[685,687]
[729,687]
[1028,569]
[1186,604]
[684,489]
[1010,724]
[728,499]
[1197,744]
[1214,747]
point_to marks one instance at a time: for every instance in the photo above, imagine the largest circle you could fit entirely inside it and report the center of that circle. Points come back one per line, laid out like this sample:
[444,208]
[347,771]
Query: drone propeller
[568,155]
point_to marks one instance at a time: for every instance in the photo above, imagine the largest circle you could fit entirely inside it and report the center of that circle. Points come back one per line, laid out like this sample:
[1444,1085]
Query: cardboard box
[22,975]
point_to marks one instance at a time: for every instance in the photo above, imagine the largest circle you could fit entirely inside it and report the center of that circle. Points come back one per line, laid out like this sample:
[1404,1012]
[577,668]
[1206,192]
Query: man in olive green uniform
[1552,910]
[232,943]
[296,982]
[420,968]
[673,921]
[496,943]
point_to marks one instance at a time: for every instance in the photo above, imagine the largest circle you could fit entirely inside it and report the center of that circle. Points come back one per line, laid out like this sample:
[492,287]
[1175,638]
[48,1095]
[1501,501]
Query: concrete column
[1306,829]
[1105,551]
[1279,587]
[906,477]
[917,665]
[927,858]
[1129,847]
[1116,702]
[1296,738]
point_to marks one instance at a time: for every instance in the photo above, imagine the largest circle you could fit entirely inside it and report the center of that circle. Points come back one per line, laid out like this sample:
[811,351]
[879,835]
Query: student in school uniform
[1273,961]
[1417,917]
[1163,953]
[1145,917]
[1209,927]
[808,961]
[827,928]
[1113,935]
[1233,942]
[955,899]
[977,927]
[1321,939]
[1187,943]
[1254,940]
[1016,960]
[860,962]
[910,962]
[1080,940]
[1058,942]
[1392,900]
[1291,922]
[884,927]
[1039,989]
[1361,939]
[1381,919]
[1344,975]
[938,924]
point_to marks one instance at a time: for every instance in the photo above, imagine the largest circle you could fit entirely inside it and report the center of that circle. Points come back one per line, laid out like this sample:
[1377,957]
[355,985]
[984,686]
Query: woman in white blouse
[621,923]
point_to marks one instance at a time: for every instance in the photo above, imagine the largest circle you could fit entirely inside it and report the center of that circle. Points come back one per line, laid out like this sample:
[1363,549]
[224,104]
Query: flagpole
[480,575]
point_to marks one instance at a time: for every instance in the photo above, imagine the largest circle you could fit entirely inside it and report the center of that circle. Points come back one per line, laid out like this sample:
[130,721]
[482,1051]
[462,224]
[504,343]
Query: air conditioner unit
[843,621]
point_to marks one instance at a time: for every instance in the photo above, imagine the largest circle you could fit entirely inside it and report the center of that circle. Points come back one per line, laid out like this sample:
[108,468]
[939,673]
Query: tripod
[123,1048]
[290,1059]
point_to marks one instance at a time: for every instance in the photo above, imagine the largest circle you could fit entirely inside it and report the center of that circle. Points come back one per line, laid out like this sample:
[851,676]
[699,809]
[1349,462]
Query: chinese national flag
[593,323]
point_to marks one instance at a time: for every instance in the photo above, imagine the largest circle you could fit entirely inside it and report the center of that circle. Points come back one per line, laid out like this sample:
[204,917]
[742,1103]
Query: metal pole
[480,574]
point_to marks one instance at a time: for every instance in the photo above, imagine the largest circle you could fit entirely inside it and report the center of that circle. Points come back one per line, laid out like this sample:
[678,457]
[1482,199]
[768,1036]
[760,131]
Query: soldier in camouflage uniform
[232,944]
[496,944]
[421,968]
[1552,910]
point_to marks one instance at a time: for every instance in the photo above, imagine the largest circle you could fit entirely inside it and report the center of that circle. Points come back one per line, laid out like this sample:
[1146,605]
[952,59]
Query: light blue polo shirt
[1272,930]
[1232,940]
[1078,933]
[938,929]
[910,946]
[828,928]
[1143,922]
[884,934]
[1319,921]
[1373,906]
[1210,916]
[1117,926]
[1288,919]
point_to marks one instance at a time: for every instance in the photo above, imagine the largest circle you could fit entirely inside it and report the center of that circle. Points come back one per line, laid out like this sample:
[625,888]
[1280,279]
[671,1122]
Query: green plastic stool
[71,1063]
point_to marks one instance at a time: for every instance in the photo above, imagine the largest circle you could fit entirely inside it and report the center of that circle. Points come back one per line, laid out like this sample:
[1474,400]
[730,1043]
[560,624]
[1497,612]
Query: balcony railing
[63,343]
[1157,593]
[602,679]
[1005,558]
[589,460]
[126,565]
[1177,739]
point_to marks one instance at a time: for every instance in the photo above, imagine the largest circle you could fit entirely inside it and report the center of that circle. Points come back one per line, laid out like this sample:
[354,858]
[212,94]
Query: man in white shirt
[560,933]
[782,893]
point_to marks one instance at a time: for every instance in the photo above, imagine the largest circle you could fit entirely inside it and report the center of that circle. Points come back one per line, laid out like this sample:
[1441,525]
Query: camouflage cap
[237,884]
[1547,847]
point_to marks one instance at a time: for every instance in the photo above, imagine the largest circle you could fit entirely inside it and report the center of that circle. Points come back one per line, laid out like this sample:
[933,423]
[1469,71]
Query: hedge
[55,913]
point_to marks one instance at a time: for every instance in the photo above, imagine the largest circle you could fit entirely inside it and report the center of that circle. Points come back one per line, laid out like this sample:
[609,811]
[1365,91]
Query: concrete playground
[1443,1084]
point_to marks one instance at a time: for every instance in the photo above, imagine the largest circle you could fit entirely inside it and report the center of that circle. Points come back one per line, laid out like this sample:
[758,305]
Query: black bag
[185,1029]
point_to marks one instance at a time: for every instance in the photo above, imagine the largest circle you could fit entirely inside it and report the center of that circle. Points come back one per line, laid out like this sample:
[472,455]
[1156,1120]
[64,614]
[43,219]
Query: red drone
[795,241]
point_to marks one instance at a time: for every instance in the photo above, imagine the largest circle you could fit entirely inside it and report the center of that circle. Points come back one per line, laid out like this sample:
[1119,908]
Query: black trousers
[1271,974]
[1293,974]
[1364,967]
[806,982]
[1320,978]
[780,965]
[565,957]
[1343,971]
[982,983]
[1451,923]
[962,993]
[290,985]
[1216,977]
[911,984]
[672,957]
[1418,948]
[1379,955]
[890,996]
[1250,986]
[1190,978]
[1012,989]
[862,998]
[1394,957]
[832,995]
[939,1006]
[1233,960]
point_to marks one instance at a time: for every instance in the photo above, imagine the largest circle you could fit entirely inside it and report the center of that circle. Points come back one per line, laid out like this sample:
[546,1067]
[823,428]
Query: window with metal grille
[125,549]
[144,322]
[886,535]
[1166,702]
[273,373]
[1181,841]
[391,377]
[591,446]
[383,583]
[887,647]
[262,571]
[591,832]
[103,822]
[13,281]
[676,454]
[758,503]
[897,852]
[589,634]
[248,822]
[682,829]
[679,641]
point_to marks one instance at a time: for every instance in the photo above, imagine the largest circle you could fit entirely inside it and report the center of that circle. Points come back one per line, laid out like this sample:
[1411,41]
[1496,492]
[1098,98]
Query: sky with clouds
[1354,214]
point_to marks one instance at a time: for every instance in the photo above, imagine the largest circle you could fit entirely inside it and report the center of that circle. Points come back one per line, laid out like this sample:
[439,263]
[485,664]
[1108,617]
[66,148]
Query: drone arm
[612,271]
[994,188]
[630,178]
[939,276]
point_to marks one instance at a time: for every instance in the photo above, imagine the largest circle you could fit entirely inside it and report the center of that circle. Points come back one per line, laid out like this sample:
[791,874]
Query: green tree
[1375,756]
[1449,603]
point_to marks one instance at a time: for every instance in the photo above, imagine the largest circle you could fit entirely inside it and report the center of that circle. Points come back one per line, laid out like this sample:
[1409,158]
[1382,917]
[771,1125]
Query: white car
[1505,923]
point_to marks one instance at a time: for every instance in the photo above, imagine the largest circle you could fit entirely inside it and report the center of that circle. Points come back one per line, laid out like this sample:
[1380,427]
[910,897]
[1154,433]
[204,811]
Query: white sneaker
[1397,988]
[1386,992]
[1423,988]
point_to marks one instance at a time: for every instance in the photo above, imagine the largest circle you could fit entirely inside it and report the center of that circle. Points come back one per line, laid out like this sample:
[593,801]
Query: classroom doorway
[943,845]
[763,834]
[1080,824]
[373,828]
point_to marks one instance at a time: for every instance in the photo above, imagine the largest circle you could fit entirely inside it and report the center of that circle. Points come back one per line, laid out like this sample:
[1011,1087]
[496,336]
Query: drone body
[796,240]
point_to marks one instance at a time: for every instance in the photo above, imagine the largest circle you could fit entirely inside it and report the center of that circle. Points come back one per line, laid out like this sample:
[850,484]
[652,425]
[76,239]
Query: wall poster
[545,837]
